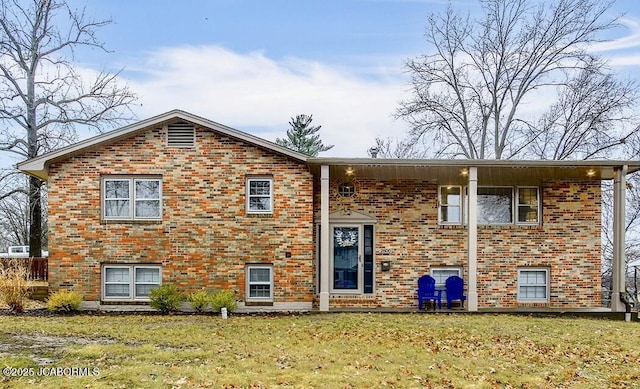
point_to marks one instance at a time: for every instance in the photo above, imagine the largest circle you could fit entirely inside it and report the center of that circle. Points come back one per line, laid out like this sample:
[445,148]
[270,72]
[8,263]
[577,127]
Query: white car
[19,252]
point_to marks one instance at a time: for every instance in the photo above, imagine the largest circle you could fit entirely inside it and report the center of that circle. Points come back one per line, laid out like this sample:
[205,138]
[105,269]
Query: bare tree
[472,95]
[588,120]
[394,148]
[14,212]
[43,96]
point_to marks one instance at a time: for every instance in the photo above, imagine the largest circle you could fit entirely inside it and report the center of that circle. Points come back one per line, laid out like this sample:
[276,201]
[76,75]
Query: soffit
[489,172]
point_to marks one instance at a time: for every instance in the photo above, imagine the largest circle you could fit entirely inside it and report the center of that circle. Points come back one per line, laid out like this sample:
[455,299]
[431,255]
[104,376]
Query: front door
[346,259]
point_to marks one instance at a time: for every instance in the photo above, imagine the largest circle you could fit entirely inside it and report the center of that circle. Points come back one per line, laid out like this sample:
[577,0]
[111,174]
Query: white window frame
[464,207]
[250,283]
[521,284]
[443,203]
[131,198]
[131,282]
[442,285]
[250,196]
[518,205]
[435,269]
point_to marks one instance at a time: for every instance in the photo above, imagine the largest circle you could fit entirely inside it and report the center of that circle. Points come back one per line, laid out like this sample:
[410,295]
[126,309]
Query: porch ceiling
[452,171]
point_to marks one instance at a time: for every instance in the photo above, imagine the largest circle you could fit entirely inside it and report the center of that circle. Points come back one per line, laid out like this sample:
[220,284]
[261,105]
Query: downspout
[627,304]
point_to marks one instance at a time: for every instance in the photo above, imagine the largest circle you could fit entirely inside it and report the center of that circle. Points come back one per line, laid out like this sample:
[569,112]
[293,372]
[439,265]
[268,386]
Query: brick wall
[205,238]
[567,242]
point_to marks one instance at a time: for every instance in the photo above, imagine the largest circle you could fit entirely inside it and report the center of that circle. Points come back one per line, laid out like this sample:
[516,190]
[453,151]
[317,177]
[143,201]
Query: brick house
[183,200]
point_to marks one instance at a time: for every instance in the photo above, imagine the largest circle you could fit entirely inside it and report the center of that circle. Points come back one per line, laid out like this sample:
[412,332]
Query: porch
[428,214]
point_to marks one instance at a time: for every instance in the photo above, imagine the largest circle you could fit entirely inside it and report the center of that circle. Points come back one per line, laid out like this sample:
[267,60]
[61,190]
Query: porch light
[591,172]
[350,171]
[464,172]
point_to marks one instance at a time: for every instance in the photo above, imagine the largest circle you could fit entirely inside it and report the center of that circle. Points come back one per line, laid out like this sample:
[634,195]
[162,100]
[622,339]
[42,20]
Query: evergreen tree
[303,138]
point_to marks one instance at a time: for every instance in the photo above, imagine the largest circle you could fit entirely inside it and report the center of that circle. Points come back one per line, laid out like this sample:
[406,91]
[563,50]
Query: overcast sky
[252,65]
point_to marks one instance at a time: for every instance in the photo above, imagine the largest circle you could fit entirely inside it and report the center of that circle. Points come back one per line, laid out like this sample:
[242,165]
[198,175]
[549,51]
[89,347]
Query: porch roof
[451,171]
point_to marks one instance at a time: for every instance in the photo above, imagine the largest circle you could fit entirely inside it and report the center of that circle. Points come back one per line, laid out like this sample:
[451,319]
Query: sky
[254,64]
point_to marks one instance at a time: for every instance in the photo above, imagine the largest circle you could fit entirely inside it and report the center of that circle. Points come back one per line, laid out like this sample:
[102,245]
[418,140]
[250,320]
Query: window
[440,274]
[450,204]
[129,282]
[132,198]
[259,283]
[495,205]
[533,285]
[347,189]
[528,205]
[260,195]
[181,135]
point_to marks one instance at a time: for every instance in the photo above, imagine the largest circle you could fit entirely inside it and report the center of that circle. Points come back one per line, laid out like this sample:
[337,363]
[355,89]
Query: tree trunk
[35,197]
[35,217]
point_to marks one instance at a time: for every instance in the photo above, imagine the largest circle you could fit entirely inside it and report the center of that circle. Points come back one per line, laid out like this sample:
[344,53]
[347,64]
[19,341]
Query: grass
[324,351]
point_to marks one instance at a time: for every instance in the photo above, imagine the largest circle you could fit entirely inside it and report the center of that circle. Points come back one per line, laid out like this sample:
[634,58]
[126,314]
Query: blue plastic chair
[455,290]
[427,291]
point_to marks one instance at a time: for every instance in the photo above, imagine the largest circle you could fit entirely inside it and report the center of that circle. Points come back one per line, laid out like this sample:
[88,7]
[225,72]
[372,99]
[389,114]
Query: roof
[39,166]
[437,170]
[451,171]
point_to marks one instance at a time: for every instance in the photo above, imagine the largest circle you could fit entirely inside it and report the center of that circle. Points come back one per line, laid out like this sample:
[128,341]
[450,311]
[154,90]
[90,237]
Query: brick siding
[205,237]
[567,242]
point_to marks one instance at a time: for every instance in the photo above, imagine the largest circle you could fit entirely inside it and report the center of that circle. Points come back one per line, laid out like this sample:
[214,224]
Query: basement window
[533,285]
[129,282]
[259,283]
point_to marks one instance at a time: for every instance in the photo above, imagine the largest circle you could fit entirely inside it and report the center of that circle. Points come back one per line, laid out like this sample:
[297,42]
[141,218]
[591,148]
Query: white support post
[472,243]
[618,262]
[324,238]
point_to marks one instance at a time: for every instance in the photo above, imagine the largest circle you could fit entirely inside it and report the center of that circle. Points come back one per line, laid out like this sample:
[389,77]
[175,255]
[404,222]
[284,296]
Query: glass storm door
[346,259]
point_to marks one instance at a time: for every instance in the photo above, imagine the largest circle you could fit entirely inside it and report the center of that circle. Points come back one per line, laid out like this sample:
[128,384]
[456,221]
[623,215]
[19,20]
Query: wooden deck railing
[39,269]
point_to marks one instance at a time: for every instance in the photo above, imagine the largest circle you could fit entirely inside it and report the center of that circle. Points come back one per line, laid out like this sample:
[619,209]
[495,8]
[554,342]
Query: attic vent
[181,135]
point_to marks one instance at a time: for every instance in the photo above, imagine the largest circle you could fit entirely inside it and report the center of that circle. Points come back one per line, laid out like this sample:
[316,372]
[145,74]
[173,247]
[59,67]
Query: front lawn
[320,351]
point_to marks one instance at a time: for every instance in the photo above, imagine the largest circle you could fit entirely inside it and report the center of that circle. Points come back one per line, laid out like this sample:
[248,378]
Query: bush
[224,299]
[14,282]
[199,300]
[64,301]
[166,298]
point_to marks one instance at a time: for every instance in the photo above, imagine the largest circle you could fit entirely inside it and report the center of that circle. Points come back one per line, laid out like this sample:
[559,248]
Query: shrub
[199,300]
[224,299]
[14,282]
[64,301]
[166,298]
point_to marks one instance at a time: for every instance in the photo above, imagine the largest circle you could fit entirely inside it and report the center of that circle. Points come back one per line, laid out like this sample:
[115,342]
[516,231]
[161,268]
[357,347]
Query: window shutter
[181,135]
